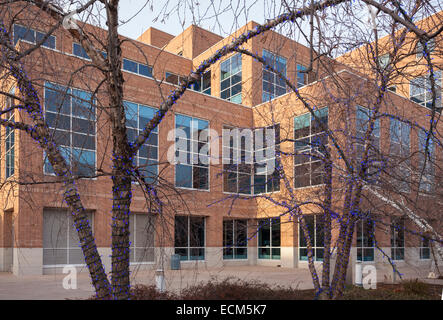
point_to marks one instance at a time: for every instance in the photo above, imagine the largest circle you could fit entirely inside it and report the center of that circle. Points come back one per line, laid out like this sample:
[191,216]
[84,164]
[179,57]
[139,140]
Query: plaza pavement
[50,287]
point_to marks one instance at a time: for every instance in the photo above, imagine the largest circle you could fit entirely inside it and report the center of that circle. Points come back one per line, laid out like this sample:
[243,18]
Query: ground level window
[60,238]
[398,239]
[141,237]
[314,224]
[365,240]
[190,237]
[425,250]
[235,239]
[269,238]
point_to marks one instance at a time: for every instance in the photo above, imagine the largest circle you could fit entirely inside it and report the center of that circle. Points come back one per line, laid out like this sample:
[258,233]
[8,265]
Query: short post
[160,280]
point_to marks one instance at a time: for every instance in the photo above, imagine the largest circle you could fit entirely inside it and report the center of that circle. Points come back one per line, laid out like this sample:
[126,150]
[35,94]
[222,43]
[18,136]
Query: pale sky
[178,15]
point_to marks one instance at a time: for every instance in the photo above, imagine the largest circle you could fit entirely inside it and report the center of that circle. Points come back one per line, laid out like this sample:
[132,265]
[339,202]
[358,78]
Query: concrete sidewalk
[50,287]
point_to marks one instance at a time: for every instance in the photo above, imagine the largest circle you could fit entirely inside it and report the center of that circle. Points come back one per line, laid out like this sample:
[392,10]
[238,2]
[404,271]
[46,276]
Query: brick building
[203,225]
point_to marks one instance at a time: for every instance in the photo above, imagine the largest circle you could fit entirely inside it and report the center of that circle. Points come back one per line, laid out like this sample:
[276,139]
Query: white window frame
[313,241]
[191,152]
[35,37]
[269,222]
[361,223]
[274,84]
[234,237]
[68,216]
[310,149]
[188,247]
[138,130]
[394,224]
[231,75]
[70,131]
[133,246]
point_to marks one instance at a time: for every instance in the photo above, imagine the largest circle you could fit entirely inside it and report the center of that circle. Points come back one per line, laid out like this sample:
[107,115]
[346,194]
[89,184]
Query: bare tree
[347,173]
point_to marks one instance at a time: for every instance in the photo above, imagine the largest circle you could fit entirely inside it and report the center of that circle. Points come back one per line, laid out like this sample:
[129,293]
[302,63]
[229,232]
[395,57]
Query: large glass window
[79,51]
[70,115]
[273,85]
[314,224]
[265,158]
[302,77]
[61,244]
[269,238]
[425,163]
[204,84]
[136,67]
[365,240]
[173,78]
[141,237]
[397,239]
[310,139]
[137,117]
[32,36]
[425,250]
[363,116]
[10,139]
[399,150]
[192,169]
[421,93]
[237,177]
[235,239]
[190,237]
[231,79]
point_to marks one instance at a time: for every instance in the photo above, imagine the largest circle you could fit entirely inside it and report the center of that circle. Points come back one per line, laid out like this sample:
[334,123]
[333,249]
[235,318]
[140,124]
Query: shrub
[237,289]
[415,287]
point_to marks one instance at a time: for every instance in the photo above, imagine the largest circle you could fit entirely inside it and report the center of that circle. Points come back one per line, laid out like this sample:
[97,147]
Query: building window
[273,85]
[190,237]
[136,67]
[310,141]
[61,244]
[420,50]
[425,250]
[365,240]
[192,169]
[137,117]
[399,150]
[231,79]
[141,237]
[10,138]
[79,51]
[392,89]
[265,158]
[70,115]
[235,239]
[269,238]
[204,84]
[314,224]
[425,163]
[32,36]
[398,239]
[421,93]
[363,116]
[237,175]
[173,78]
[302,76]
